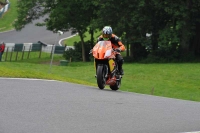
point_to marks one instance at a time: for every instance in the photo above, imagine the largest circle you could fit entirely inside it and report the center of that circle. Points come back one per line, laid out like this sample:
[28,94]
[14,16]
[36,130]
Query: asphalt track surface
[41,106]
[32,34]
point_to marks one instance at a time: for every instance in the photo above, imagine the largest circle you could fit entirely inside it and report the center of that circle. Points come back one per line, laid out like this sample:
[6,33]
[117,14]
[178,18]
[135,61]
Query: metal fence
[10,48]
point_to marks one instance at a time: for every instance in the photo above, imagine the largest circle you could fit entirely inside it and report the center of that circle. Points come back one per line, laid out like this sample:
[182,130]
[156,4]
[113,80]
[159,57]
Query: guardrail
[4,9]
[32,47]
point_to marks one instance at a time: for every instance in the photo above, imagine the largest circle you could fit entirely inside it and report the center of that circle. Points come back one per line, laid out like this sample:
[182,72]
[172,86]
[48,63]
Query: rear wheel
[101,80]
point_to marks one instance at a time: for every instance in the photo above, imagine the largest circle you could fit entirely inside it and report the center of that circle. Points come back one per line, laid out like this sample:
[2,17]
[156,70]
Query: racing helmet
[107,32]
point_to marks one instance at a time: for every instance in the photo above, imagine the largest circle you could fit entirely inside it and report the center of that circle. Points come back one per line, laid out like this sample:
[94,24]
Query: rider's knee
[121,61]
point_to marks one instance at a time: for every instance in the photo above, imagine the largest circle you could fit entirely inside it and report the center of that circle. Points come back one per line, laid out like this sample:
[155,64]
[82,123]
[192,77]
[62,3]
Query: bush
[76,53]
[164,54]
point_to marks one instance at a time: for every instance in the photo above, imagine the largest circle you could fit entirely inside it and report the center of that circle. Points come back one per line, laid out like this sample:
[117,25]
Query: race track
[32,34]
[41,106]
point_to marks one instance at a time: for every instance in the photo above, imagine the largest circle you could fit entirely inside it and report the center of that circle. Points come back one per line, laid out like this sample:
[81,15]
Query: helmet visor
[106,35]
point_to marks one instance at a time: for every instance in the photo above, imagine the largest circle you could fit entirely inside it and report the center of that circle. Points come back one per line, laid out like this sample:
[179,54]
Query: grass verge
[179,81]
[87,36]
[9,17]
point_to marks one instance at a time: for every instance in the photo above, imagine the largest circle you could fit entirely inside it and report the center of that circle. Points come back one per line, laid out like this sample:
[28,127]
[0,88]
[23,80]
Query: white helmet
[107,32]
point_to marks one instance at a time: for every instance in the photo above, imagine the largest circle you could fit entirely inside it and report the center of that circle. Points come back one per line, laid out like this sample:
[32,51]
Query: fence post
[23,53]
[11,53]
[16,56]
[18,48]
[29,51]
[52,51]
[40,53]
[6,54]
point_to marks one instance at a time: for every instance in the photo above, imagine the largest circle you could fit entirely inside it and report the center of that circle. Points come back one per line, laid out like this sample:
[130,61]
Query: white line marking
[29,79]
[66,38]
[7,31]
[192,132]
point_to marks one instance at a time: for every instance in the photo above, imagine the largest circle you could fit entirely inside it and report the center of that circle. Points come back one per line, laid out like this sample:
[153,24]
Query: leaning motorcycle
[106,66]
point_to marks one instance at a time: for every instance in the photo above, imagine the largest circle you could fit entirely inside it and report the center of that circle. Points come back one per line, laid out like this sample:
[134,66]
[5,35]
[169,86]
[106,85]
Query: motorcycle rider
[107,35]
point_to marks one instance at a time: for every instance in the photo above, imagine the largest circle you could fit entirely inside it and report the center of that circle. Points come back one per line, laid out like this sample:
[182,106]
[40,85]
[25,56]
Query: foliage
[75,54]
[9,17]
[3,1]
[169,22]
[63,15]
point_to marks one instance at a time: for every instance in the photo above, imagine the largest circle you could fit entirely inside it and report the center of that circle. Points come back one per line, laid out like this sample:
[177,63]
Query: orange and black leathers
[116,43]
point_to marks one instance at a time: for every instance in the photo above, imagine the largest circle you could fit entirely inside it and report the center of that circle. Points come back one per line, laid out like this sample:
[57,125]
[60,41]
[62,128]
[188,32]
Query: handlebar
[115,50]
[90,51]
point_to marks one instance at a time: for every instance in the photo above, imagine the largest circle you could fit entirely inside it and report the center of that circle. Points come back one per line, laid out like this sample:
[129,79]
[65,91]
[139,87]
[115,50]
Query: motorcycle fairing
[111,64]
[102,50]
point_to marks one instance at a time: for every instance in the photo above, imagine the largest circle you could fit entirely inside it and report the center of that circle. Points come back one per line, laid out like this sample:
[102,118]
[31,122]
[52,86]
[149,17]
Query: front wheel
[101,79]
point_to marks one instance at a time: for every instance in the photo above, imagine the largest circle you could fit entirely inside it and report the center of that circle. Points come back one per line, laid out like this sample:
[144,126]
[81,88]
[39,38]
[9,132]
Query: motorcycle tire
[116,86]
[101,80]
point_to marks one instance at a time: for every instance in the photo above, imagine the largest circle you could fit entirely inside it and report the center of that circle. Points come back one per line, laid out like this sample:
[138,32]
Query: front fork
[106,70]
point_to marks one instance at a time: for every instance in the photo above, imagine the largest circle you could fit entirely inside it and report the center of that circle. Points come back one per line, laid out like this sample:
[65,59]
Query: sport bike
[106,66]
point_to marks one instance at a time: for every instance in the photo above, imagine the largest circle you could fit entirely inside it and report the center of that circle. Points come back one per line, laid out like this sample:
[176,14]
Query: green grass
[179,81]
[87,36]
[8,18]
[25,56]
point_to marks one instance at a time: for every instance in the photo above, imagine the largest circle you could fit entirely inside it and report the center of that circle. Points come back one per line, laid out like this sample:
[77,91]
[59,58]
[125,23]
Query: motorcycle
[106,66]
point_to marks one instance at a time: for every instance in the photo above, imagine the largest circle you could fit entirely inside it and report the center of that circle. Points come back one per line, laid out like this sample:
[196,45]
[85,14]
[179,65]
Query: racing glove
[118,49]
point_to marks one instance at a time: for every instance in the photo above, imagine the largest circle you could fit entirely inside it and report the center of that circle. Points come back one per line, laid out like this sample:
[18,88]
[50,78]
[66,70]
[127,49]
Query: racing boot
[121,71]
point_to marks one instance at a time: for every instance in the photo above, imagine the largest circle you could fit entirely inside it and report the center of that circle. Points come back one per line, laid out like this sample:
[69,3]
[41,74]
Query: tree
[174,25]
[129,21]
[64,15]
[184,23]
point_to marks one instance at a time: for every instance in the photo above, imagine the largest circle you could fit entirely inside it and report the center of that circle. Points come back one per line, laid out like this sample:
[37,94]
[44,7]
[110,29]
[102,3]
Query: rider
[107,35]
